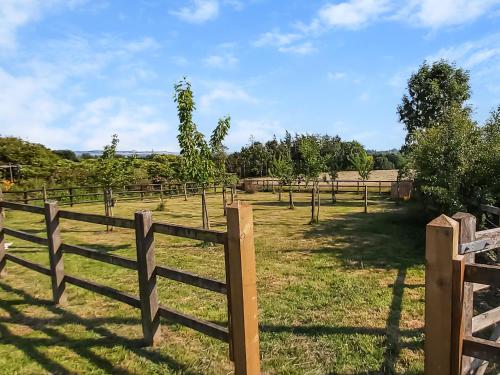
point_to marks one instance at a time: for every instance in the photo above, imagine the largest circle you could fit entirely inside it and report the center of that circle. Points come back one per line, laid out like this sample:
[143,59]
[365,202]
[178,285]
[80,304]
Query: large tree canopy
[432,91]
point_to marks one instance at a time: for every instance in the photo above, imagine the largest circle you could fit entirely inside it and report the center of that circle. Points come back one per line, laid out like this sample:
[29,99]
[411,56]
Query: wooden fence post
[380,188]
[357,188]
[2,240]
[244,328]
[25,197]
[147,277]
[55,253]
[441,247]
[463,323]
[366,199]
[70,190]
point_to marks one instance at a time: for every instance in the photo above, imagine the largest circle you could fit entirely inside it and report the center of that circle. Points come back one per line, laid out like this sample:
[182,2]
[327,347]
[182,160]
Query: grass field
[341,297]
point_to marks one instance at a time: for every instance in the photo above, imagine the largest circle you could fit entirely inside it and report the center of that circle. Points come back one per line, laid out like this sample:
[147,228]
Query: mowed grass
[344,296]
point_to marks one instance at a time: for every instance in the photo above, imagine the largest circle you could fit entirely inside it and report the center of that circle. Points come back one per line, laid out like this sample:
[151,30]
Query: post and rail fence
[241,332]
[454,336]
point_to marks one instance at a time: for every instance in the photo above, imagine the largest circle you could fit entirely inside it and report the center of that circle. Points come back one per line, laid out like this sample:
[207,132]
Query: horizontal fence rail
[239,288]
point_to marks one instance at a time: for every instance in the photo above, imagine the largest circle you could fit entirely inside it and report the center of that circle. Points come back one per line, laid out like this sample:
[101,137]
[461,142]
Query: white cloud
[199,11]
[337,76]
[299,49]
[224,91]
[136,125]
[260,130]
[15,14]
[352,14]
[441,13]
[276,38]
[221,61]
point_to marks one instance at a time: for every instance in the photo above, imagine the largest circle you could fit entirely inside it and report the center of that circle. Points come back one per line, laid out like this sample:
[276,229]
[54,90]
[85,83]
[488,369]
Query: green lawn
[345,296]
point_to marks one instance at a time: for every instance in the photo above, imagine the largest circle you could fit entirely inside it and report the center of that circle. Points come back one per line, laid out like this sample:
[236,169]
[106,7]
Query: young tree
[313,165]
[362,163]
[219,158]
[197,161]
[112,171]
[283,170]
[432,91]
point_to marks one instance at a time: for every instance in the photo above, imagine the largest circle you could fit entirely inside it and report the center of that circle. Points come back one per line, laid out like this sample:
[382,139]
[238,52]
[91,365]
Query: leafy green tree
[112,171]
[432,91]
[313,165]
[445,157]
[283,170]
[363,164]
[197,154]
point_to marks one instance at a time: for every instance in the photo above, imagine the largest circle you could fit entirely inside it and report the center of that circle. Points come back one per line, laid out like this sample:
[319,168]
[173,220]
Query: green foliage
[197,162]
[66,154]
[160,168]
[313,162]
[362,163]
[445,158]
[111,170]
[432,91]
[283,170]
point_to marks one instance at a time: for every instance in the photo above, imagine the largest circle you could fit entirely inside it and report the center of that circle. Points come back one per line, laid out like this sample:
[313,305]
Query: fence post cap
[443,221]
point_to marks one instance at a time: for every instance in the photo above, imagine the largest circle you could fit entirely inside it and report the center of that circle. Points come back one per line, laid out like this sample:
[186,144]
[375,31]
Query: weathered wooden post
[70,190]
[142,192]
[463,299]
[55,253]
[441,247]
[242,281]
[380,188]
[337,186]
[357,188]
[366,199]
[44,193]
[2,239]
[25,197]
[144,237]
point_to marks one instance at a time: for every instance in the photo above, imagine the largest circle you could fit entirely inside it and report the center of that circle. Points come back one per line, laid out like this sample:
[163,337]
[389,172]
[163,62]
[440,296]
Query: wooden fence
[452,332]
[91,194]
[336,186]
[240,285]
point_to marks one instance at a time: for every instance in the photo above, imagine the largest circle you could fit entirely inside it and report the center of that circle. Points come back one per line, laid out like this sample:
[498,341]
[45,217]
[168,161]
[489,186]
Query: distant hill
[95,153]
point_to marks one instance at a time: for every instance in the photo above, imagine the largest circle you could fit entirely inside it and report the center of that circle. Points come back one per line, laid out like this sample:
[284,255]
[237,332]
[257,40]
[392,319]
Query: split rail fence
[239,287]
[456,340]
[92,194]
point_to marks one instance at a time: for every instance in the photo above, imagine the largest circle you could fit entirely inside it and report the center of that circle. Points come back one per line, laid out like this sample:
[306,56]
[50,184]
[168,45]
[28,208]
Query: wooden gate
[452,345]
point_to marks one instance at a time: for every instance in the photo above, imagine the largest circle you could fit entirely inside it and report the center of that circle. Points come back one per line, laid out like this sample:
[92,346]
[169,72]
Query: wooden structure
[451,278]
[402,190]
[241,333]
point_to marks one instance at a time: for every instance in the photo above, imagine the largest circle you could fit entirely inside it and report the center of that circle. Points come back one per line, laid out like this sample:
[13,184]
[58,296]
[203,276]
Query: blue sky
[73,72]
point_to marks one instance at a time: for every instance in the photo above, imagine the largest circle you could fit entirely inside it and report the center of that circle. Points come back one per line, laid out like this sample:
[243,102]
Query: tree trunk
[334,198]
[290,196]
[313,201]
[224,200]
[204,210]
[185,192]
[319,203]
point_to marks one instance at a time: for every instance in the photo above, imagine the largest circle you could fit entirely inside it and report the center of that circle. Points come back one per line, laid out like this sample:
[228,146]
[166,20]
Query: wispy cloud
[352,14]
[260,129]
[226,92]
[336,76]
[436,14]
[305,48]
[199,11]
[221,61]
[15,14]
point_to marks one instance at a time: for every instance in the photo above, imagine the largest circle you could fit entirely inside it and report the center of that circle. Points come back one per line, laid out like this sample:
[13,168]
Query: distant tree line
[256,158]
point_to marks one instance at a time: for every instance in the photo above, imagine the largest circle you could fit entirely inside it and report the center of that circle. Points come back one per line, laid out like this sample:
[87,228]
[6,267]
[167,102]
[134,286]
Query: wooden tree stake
[55,253]
[244,328]
[147,277]
[2,240]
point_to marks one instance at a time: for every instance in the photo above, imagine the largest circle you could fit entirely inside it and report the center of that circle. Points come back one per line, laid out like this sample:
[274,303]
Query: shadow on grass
[391,239]
[32,346]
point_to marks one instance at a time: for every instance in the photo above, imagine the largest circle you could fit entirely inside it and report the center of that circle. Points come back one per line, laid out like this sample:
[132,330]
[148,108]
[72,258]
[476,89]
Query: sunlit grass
[344,296]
